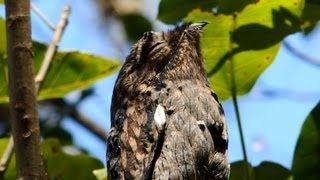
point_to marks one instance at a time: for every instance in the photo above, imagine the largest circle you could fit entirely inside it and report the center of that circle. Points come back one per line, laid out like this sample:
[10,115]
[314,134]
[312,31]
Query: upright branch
[23,105]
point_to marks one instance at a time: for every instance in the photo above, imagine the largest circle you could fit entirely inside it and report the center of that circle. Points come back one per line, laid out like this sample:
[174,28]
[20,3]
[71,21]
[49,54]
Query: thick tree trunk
[23,105]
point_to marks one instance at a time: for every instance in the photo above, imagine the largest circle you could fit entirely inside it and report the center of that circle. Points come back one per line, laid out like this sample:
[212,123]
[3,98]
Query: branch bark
[23,104]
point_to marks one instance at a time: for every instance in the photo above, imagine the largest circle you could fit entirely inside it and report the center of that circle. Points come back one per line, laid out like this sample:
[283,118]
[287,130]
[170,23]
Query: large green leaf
[264,171]
[1,1]
[250,39]
[69,70]
[306,161]
[64,166]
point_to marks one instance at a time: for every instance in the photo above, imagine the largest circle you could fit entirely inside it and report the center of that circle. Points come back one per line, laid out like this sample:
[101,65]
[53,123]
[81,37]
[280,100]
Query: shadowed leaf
[269,170]
[264,171]
[311,14]
[172,11]
[64,166]
[135,25]
[306,160]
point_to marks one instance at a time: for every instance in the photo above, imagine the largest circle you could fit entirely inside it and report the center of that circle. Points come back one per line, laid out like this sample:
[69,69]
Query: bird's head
[176,52]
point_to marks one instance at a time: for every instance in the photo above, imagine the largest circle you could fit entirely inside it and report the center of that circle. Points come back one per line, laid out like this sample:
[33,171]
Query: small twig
[301,55]
[52,47]
[5,159]
[71,111]
[88,124]
[42,16]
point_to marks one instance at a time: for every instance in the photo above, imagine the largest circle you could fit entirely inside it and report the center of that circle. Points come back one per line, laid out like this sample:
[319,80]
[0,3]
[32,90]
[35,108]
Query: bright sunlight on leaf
[101,174]
[229,37]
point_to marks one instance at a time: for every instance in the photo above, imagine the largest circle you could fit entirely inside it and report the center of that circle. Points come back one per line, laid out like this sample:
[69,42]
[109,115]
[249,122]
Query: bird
[166,121]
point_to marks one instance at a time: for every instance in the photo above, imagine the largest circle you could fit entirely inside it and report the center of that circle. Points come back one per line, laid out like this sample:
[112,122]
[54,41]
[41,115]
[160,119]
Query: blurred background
[272,113]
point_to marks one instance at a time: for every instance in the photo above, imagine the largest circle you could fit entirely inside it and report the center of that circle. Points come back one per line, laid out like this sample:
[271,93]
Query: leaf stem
[235,103]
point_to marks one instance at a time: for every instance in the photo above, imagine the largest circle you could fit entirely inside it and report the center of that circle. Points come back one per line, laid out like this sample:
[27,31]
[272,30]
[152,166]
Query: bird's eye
[156,46]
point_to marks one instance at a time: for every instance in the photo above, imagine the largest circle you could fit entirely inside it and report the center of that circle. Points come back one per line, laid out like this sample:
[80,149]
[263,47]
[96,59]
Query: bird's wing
[133,137]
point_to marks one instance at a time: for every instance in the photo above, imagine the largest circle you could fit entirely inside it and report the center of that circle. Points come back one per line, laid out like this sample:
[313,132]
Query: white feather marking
[160,117]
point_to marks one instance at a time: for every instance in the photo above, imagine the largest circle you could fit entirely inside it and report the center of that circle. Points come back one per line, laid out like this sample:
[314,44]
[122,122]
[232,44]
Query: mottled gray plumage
[165,72]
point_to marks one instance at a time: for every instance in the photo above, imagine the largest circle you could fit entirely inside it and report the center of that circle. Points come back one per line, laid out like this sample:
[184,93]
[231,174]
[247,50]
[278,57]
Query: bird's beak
[199,24]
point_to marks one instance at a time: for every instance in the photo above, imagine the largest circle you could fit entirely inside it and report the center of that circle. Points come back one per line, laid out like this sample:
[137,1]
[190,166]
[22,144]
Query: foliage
[59,164]
[306,161]
[69,70]
[135,25]
[10,172]
[264,171]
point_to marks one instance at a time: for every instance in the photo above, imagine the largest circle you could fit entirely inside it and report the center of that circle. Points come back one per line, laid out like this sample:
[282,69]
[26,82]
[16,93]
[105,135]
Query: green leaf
[64,166]
[269,170]
[3,38]
[306,160]
[264,171]
[11,170]
[101,174]
[249,39]
[172,11]
[135,25]
[69,71]
[1,1]
[64,137]
[238,170]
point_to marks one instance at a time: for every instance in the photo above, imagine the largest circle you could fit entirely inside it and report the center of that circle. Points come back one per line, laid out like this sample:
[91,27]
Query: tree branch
[23,101]
[44,68]
[53,46]
[301,55]
[71,111]
[43,17]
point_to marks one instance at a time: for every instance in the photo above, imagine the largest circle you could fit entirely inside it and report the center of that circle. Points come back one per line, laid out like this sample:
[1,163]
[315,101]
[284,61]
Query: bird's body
[166,122]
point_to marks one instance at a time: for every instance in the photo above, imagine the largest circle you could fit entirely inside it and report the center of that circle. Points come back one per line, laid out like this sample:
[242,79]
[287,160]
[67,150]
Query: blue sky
[272,113]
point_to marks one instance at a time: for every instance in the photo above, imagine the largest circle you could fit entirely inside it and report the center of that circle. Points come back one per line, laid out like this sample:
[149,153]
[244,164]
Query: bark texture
[23,104]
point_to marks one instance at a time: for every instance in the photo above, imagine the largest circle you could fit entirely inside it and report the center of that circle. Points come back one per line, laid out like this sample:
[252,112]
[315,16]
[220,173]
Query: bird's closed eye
[156,46]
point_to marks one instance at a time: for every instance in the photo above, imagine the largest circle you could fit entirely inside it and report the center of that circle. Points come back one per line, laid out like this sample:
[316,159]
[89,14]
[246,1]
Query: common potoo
[166,121]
